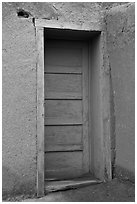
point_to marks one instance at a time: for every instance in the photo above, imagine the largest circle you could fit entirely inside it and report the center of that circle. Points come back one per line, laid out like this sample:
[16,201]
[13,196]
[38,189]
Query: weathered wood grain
[63,135]
[52,186]
[63,86]
[63,69]
[63,164]
[63,112]
[85,81]
[63,95]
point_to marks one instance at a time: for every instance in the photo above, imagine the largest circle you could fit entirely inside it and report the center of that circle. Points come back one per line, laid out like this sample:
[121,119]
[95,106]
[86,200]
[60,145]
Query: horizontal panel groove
[73,73]
[64,120]
[63,147]
[63,95]
[62,123]
[50,98]
[62,66]
[54,151]
[66,124]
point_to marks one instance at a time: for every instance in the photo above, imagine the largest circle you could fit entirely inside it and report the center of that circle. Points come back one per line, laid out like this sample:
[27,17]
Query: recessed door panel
[66,109]
[63,135]
[63,86]
[63,165]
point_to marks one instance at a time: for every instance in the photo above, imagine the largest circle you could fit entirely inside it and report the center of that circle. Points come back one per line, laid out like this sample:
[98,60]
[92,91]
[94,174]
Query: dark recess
[23,14]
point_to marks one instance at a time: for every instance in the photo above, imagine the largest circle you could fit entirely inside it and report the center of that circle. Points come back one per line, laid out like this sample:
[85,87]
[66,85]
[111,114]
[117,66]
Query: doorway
[73,104]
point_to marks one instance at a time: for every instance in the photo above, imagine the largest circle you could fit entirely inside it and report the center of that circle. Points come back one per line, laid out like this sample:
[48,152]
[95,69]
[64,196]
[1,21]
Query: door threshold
[52,186]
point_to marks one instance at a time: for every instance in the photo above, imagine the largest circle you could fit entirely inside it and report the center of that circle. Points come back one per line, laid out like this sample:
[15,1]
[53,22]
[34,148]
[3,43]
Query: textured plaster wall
[19,84]
[19,103]
[19,80]
[120,22]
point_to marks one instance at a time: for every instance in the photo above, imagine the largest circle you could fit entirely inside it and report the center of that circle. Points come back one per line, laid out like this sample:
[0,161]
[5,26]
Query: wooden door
[66,109]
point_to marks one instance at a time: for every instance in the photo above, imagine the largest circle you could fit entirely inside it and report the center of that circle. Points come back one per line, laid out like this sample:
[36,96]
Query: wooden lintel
[67,25]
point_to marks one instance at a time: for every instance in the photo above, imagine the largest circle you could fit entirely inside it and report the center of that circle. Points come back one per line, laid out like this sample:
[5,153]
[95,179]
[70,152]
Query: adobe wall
[120,22]
[19,82]
[19,85]
[19,103]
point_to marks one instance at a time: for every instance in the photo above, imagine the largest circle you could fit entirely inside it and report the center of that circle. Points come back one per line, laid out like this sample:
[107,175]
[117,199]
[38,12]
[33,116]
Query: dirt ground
[114,191]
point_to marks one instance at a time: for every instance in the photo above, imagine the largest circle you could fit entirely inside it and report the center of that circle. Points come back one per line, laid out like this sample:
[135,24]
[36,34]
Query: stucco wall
[19,103]
[19,84]
[19,81]
[121,49]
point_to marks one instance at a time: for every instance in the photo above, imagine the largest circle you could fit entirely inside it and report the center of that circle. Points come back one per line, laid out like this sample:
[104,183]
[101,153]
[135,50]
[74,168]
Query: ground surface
[114,191]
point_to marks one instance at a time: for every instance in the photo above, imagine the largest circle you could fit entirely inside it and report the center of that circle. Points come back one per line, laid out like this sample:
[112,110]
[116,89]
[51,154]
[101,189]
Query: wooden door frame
[103,162]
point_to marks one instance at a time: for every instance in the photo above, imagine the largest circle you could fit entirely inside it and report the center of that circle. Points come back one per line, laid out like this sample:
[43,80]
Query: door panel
[63,86]
[63,165]
[59,112]
[63,135]
[66,109]
[59,56]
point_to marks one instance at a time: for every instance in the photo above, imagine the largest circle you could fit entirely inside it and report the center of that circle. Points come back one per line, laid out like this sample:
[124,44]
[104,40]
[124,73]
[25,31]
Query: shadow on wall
[124,174]
[14,184]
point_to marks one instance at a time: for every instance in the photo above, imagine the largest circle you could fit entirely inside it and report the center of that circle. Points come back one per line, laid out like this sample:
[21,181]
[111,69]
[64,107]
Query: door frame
[102,160]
